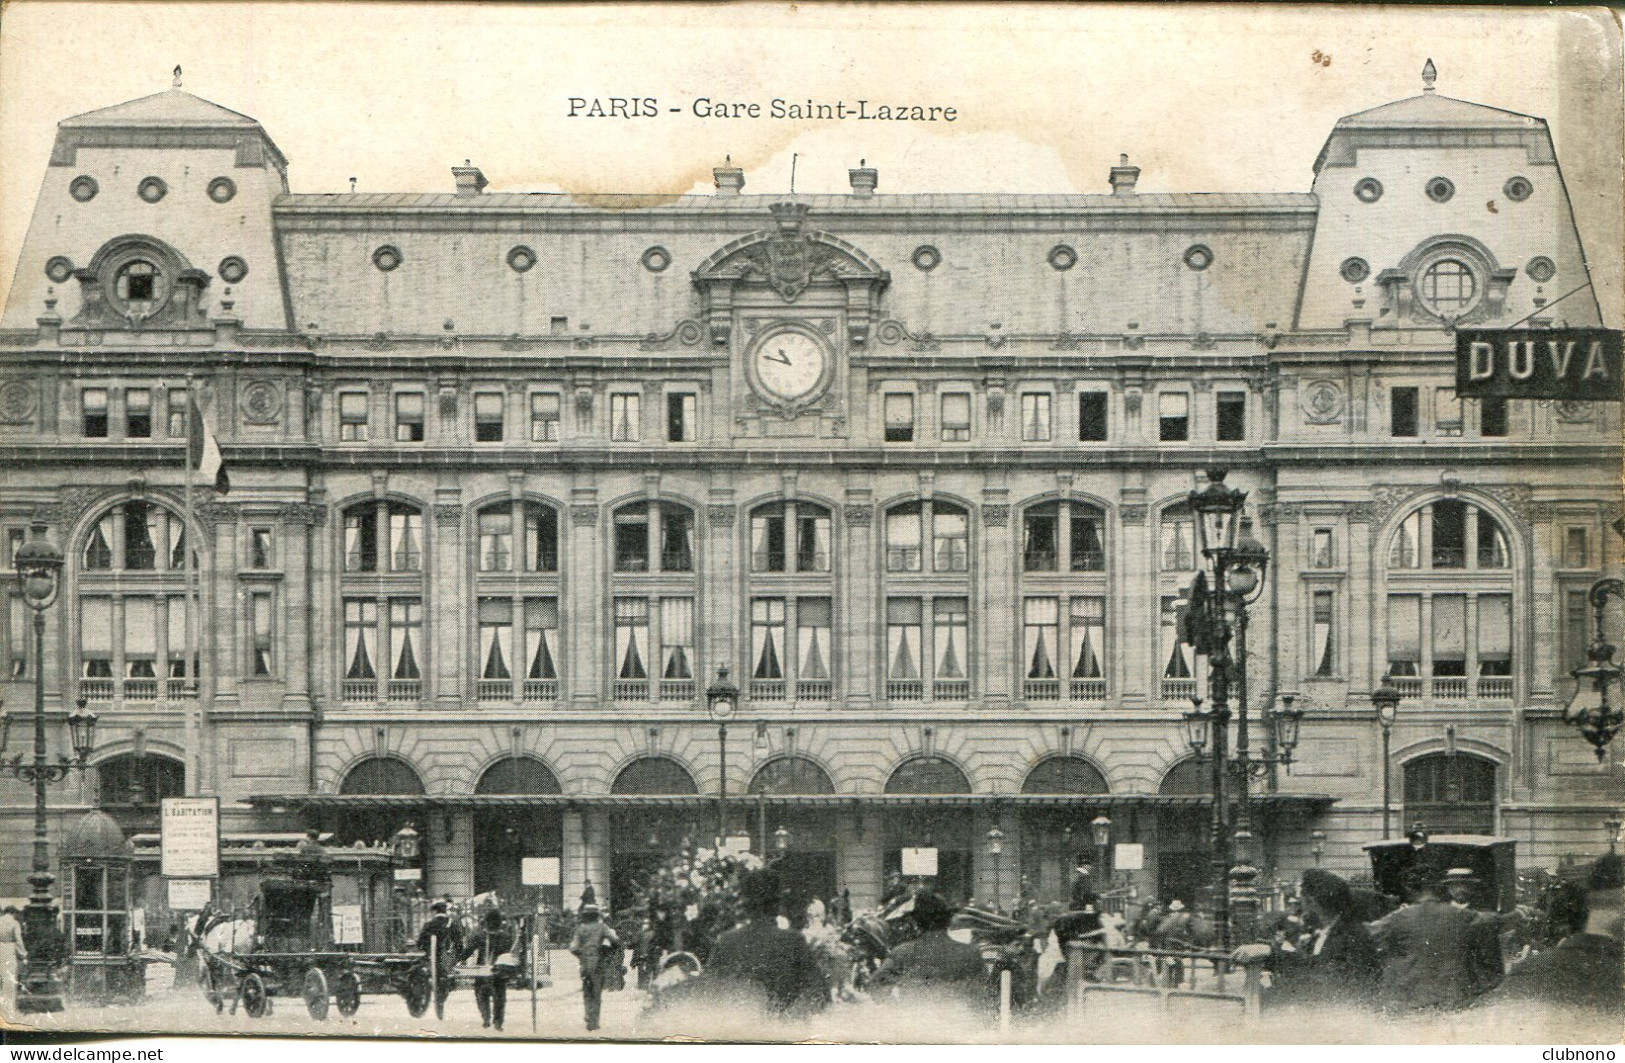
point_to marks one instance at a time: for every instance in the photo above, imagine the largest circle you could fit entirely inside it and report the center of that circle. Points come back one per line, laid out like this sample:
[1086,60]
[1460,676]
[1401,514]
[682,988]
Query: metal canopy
[1304,802]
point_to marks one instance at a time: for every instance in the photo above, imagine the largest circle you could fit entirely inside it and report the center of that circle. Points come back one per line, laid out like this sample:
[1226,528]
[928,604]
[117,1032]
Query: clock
[789,365]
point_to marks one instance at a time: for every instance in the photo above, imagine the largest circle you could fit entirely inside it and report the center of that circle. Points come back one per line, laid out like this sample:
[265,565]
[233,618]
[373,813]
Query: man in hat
[934,967]
[1339,961]
[490,943]
[1484,960]
[776,963]
[595,946]
[446,936]
[1585,969]
[1426,949]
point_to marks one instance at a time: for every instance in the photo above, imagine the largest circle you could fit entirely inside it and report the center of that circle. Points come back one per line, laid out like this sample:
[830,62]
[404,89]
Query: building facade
[513,474]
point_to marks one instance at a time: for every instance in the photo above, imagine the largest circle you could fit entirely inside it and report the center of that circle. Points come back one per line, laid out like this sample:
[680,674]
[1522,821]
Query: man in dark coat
[447,937]
[1586,969]
[595,946]
[1427,950]
[489,942]
[934,967]
[1338,961]
[778,964]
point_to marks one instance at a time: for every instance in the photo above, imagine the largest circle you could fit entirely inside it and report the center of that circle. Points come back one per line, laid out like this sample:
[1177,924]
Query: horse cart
[287,949]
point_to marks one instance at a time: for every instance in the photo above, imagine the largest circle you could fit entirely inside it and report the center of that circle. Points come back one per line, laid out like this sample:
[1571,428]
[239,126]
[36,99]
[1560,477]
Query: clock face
[790,364]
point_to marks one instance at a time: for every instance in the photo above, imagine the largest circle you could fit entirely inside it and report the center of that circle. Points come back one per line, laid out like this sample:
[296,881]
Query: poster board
[189,894]
[189,837]
[1128,856]
[539,871]
[921,863]
[347,924]
[736,844]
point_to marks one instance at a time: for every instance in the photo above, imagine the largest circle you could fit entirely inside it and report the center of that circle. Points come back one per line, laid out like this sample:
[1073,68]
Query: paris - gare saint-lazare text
[630,107]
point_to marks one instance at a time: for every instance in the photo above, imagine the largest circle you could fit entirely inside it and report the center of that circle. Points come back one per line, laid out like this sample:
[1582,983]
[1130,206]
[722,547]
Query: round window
[1449,287]
[59,268]
[387,258]
[1440,189]
[152,189]
[1541,269]
[84,188]
[222,189]
[1368,189]
[656,259]
[521,259]
[1518,189]
[1062,257]
[927,258]
[1355,270]
[1198,256]
[233,269]
[139,286]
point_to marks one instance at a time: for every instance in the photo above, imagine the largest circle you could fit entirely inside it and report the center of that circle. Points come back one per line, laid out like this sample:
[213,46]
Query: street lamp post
[39,569]
[722,699]
[1613,826]
[1317,844]
[1590,710]
[1386,699]
[995,849]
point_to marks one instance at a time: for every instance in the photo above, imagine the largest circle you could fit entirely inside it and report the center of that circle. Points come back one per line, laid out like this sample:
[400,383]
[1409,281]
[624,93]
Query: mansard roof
[1432,110]
[166,109]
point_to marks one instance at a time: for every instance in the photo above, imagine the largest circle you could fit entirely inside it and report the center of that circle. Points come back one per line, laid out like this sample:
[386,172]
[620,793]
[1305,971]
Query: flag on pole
[204,456]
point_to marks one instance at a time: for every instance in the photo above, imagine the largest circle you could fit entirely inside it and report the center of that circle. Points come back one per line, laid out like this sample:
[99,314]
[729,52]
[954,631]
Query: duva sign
[1572,364]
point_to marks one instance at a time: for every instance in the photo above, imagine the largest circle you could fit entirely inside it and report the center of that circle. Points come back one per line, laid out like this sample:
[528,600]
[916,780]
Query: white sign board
[189,894]
[408,874]
[737,844]
[347,924]
[189,837]
[921,863]
[539,871]
[1129,856]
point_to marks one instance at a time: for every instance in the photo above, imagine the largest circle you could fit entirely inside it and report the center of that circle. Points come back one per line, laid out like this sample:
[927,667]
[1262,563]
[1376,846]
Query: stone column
[446,613]
[1134,652]
[861,621]
[583,595]
[998,627]
[294,529]
[718,601]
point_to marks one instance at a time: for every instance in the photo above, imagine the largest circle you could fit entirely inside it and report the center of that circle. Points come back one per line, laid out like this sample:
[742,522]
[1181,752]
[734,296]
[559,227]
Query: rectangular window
[18,640]
[178,640]
[813,662]
[176,398]
[259,548]
[904,623]
[1492,418]
[1404,635]
[361,539]
[405,638]
[1230,412]
[1088,552]
[496,539]
[955,417]
[1576,630]
[1178,543]
[631,647]
[1446,412]
[353,417]
[94,402]
[141,648]
[767,639]
[1449,635]
[682,409]
[1092,417]
[950,543]
[950,632]
[676,642]
[899,410]
[496,643]
[1088,623]
[15,537]
[96,646]
[541,639]
[1035,418]
[1040,539]
[1322,640]
[1402,412]
[360,648]
[632,539]
[812,541]
[1494,637]
[488,416]
[261,662]
[1041,636]
[1322,553]
[625,417]
[767,551]
[676,539]
[405,541]
[1173,416]
[541,539]
[137,413]
[544,417]
[1576,548]
[409,417]
[904,537]
[1178,660]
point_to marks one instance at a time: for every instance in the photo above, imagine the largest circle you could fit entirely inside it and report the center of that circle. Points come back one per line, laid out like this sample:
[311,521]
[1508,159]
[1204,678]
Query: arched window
[791,596]
[1177,560]
[652,608]
[1449,605]
[654,775]
[132,605]
[1064,775]
[139,780]
[385,652]
[791,775]
[1189,777]
[1063,602]
[1451,794]
[381,775]
[927,642]
[518,775]
[927,775]
[517,639]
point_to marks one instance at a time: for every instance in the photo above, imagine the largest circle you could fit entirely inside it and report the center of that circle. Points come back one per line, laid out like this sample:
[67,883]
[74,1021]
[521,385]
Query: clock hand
[779,358]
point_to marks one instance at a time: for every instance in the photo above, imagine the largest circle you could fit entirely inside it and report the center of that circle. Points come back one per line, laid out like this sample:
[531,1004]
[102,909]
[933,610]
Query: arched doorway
[505,836]
[807,866]
[1052,838]
[1184,852]
[1450,794]
[130,787]
[645,838]
[950,831]
[377,777]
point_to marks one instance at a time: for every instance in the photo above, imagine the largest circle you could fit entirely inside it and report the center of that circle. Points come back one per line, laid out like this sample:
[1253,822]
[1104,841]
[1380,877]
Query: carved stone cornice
[720,515]
[1365,513]
[859,515]
[447,514]
[995,516]
[219,512]
[584,514]
[1275,513]
[310,514]
[1133,513]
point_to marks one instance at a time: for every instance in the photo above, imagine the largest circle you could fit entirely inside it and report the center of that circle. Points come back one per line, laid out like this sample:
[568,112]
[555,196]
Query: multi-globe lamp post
[1386,700]
[1597,709]
[722,700]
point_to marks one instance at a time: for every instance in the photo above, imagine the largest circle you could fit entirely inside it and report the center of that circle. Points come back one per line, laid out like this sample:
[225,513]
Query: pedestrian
[646,953]
[446,935]
[595,946]
[13,955]
[1337,962]
[1486,968]
[774,963]
[1426,949]
[1587,968]
[489,948]
[934,968]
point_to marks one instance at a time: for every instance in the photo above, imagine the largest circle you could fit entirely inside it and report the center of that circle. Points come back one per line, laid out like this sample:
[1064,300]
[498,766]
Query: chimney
[470,182]
[729,178]
[864,179]
[1123,177]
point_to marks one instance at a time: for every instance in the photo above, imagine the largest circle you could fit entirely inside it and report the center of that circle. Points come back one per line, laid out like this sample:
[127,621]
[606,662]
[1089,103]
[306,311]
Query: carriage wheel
[347,992]
[256,998]
[211,991]
[315,993]
[417,991]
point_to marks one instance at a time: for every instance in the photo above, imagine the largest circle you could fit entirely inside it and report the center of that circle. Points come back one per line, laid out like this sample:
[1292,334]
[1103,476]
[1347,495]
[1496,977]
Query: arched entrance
[504,836]
[807,866]
[1184,853]
[1052,838]
[950,831]
[130,787]
[644,838]
[1450,794]
[375,776]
